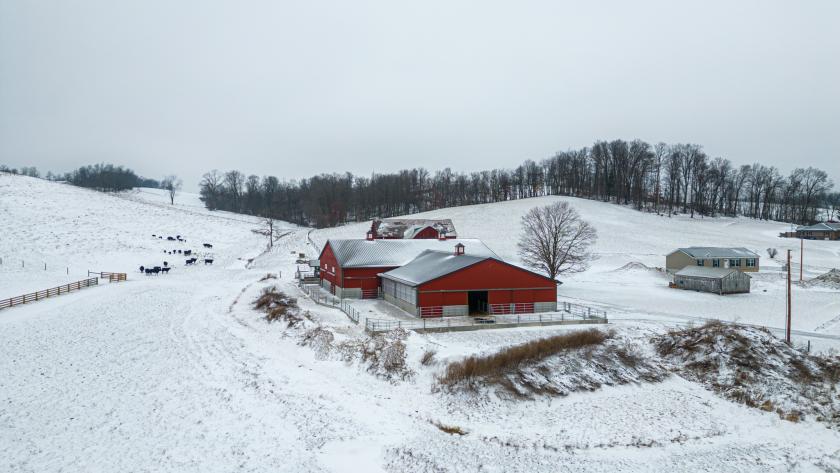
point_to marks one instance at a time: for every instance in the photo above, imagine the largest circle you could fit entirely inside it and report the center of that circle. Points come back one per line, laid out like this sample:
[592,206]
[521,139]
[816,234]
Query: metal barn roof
[431,265]
[706,272]
[717,252]
[358,253]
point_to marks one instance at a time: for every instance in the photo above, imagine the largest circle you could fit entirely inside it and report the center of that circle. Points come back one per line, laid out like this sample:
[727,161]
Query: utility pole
[801,256]
[788,315]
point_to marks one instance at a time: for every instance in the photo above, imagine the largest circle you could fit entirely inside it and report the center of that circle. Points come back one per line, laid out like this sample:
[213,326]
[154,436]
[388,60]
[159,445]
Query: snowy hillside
[626,236]
[179,373]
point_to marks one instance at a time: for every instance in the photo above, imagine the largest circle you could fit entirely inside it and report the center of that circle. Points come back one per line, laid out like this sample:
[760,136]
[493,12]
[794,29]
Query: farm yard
[181,373]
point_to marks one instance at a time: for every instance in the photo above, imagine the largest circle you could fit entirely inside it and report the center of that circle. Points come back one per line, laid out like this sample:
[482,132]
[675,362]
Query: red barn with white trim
[350,268]
[451,283]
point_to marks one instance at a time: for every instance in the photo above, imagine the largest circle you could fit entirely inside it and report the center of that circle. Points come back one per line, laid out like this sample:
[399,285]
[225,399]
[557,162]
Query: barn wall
[330,271]
[693,283]
[735,283]
[426,234]
[489,274]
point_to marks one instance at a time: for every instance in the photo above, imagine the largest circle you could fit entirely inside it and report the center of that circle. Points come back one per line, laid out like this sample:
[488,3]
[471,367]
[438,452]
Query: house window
[751,262]
[700,262]
[716,263]
[735,263]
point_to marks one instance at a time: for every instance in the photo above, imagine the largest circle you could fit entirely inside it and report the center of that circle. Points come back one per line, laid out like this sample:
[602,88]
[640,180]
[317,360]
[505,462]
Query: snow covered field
[178,373]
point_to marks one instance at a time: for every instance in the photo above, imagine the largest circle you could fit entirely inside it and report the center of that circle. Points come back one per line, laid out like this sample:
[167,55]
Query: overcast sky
[294,89]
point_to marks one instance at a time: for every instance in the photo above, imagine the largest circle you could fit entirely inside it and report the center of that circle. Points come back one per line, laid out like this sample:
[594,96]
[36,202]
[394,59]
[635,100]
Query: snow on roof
[822,226]
[717,252]
[706,272]
[357,253]
[431,264]
[398,227]
[414,230]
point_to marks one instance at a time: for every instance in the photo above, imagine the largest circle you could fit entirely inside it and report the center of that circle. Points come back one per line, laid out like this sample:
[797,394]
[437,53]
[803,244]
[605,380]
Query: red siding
[426,234]
[330,270]
[365,278]
[506,284]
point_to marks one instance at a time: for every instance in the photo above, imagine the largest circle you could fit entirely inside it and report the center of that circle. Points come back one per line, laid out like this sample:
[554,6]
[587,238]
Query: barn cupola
[370,235]
[459,249]
[441,235]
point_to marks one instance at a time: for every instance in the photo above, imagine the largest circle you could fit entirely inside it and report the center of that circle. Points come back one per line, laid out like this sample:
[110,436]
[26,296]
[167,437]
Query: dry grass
[450,429]
[268,276]
[516,356]
[428,357]
[278,306]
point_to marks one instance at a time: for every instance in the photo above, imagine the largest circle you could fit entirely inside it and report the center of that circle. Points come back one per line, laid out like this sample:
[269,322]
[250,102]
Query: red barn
[437,284]
[408,229]
[351,268]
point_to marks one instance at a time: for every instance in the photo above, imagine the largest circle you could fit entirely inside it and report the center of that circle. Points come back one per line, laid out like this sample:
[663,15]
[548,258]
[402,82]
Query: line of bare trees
[662,178]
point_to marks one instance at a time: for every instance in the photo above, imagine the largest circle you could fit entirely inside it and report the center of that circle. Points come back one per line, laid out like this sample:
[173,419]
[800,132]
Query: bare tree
[556,240]
[172,185]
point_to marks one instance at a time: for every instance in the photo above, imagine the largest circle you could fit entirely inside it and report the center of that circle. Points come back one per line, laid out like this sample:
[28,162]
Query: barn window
[751,262]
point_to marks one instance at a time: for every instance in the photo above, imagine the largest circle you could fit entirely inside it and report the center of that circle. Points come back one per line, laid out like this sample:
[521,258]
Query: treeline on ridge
[678,178]
[102,177]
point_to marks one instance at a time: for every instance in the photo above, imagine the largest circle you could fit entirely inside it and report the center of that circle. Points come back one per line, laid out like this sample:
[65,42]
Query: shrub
[428,357]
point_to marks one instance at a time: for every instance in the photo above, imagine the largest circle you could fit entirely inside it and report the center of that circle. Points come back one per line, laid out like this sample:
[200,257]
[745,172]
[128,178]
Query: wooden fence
[52,292]
[111,277]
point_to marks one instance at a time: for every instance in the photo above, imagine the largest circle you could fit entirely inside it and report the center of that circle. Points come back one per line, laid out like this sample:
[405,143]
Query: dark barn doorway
[478,302]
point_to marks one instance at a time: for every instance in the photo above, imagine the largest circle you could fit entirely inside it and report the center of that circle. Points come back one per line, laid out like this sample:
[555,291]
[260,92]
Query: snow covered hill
[179,373]
[632,292]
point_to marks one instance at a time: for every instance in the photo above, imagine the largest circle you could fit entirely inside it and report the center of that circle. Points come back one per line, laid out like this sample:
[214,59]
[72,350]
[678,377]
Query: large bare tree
[556,240]
[172,185]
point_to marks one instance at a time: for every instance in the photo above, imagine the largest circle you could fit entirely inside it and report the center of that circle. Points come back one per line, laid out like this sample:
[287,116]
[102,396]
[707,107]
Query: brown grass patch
[268,276]
[450,429]
[277,306]
[514,357]
[428,357]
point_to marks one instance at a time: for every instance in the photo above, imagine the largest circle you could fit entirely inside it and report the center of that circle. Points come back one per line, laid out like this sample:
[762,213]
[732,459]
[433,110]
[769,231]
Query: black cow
[179,252]
[142,269]
[170,238]
[190,261]
[149,271]
[208,260]
[165,264]
[165,270]
[187,252]
[208,245]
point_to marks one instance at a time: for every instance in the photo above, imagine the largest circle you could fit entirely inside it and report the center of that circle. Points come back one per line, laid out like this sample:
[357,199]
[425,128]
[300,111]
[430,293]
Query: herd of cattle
[155,270]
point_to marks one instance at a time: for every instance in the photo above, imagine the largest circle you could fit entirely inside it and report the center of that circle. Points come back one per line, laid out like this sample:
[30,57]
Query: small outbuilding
[714,280]
[820,231]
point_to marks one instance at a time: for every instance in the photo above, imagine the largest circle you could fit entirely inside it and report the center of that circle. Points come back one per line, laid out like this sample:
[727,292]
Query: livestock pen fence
[46,293]
[63,289]
[319,297]
[569,314]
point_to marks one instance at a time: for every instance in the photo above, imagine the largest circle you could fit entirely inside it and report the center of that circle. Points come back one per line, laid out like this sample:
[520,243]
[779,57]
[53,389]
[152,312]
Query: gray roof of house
[717,252]
[706,272]
[822,226]
[431,265]
[357,253]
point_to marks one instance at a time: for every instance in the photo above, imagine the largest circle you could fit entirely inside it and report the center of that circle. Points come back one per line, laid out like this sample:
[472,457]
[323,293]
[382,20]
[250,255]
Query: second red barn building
[437,284]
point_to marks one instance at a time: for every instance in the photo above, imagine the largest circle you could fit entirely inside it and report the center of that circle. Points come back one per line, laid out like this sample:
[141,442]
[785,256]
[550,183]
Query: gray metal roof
[717,252]
[822,226]
[357,253]
[706,272]
[431,265]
